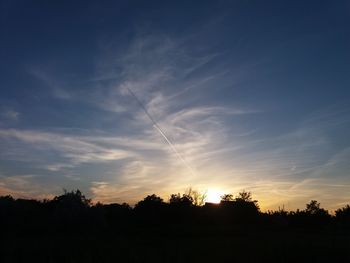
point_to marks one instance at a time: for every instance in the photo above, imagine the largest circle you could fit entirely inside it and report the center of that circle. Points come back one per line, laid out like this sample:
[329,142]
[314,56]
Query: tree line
[73,212]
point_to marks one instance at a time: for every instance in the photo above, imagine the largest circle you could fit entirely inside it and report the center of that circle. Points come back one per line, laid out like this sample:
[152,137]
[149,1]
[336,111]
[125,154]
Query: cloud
[156,68]
[74,149]
[227,145]
[139,178]
[173,84]
[24,186]
[106,193]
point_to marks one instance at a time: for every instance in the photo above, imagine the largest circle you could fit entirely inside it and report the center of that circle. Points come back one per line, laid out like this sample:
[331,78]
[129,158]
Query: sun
[213,196]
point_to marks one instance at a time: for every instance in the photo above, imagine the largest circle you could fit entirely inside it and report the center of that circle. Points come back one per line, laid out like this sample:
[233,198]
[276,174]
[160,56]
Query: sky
[240,95]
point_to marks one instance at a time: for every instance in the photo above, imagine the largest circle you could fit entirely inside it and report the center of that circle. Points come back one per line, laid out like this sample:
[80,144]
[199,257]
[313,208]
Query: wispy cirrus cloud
[74,149]
[23,186]
[226,144]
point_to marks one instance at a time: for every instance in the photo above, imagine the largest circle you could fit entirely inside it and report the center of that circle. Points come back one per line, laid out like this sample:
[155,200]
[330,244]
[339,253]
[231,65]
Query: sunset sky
[250,95]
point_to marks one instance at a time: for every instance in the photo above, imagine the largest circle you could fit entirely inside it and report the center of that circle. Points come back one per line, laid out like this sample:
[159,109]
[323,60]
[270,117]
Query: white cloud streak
[73,148]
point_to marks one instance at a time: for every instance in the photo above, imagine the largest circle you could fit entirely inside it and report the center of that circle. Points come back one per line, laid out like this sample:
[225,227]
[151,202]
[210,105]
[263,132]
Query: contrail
[157,127]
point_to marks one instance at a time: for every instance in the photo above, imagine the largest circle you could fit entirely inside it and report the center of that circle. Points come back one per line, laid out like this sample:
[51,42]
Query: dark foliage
[71,216]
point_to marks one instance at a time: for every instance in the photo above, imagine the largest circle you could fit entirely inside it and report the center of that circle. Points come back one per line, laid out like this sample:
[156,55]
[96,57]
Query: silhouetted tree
[150,201]
[314,208]
[227,198]
[6,199]
[151,209]
[244,197]
[343,212]
[70,211]
[343,215]
[72,200]
[180,201]
[72,224]
[313,216]
[198,198]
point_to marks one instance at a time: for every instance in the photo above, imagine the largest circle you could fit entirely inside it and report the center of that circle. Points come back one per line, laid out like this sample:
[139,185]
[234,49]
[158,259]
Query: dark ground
[207,245]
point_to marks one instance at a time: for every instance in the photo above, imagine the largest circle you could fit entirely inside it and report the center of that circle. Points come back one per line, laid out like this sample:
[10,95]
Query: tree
[6,198]
[227,198]
[150,202]
[69,211]
[313,215]
[180,201]
[244,197]
[198,199]
[73,199]
[150,210]
[313,207]
[343,214]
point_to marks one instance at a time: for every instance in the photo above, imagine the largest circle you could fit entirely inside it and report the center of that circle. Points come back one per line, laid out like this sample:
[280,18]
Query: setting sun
[213,196]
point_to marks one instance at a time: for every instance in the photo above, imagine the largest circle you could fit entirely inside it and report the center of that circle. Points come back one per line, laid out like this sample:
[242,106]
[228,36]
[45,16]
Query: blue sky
[252,95]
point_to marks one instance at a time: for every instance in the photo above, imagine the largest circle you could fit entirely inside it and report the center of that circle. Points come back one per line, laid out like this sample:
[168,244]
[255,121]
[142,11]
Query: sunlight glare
[213,196]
